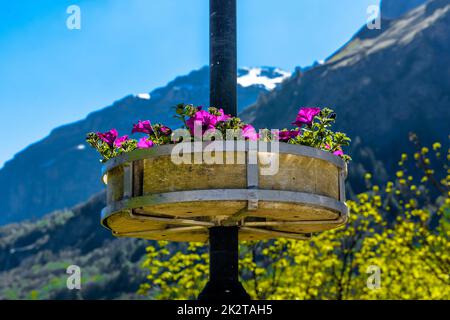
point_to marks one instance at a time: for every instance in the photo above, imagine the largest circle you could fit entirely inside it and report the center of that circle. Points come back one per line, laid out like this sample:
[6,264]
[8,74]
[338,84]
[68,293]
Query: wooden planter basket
[151,197]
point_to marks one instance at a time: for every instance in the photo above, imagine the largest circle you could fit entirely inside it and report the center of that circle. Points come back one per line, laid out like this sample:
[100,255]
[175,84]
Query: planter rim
[225,195]
[164,150]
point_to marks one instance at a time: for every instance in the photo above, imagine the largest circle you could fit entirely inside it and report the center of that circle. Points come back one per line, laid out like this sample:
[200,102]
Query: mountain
[382,84]
[61,171]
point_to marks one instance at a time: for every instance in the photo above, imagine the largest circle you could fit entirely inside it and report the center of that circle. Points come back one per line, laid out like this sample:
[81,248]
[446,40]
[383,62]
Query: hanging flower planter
[162,190]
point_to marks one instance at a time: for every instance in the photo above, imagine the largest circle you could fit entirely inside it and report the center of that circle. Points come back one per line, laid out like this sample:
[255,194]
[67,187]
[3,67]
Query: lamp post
[223,241]
[183,206]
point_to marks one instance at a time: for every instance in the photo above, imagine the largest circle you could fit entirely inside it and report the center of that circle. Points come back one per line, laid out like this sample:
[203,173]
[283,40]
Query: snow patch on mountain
[144,96]
[268,78]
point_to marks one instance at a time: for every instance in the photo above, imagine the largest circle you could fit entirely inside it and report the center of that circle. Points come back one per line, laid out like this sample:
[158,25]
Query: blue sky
[50,75]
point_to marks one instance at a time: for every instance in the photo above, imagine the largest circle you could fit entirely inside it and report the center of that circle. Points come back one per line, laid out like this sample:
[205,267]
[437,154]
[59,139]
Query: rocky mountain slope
[382,84]
[34,257]
[392,9]
[60,171]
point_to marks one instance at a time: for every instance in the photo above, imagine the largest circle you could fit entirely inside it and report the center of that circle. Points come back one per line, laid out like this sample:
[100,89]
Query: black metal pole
[223,241]
[223,284]
[223,55]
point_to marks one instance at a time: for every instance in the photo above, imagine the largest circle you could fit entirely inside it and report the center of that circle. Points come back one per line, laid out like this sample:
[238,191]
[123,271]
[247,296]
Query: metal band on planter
[151,197]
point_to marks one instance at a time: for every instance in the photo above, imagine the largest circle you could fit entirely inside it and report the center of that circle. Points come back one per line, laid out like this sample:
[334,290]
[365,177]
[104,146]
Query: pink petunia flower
[306,116]
[338,152]
[223,116]
[145,143]
[166,130]
[203,119]
[108,137]
[119,141]
[249,132]
[143,127]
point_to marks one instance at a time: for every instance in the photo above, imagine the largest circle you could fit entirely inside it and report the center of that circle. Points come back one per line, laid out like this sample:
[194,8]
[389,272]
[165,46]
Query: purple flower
[306,116]
[249,132]
[108,137]
[284,135]
[145,143]
[166,130]
[287,135]
[203,119]
[338,152]
[143,127]
[223,116]
[119,141]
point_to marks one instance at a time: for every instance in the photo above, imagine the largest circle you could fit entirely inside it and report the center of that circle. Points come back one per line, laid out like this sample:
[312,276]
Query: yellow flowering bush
[401,229]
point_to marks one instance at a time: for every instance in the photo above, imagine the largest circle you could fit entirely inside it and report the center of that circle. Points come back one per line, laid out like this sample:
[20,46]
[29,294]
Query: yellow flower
[436,146]
[399,174]
[425,150]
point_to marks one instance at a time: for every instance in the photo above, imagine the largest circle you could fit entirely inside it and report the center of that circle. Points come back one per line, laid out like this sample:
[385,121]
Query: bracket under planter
[151,197]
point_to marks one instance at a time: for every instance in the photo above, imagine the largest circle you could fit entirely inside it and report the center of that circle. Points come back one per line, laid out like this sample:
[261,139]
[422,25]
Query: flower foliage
[313,129]
[402,228]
